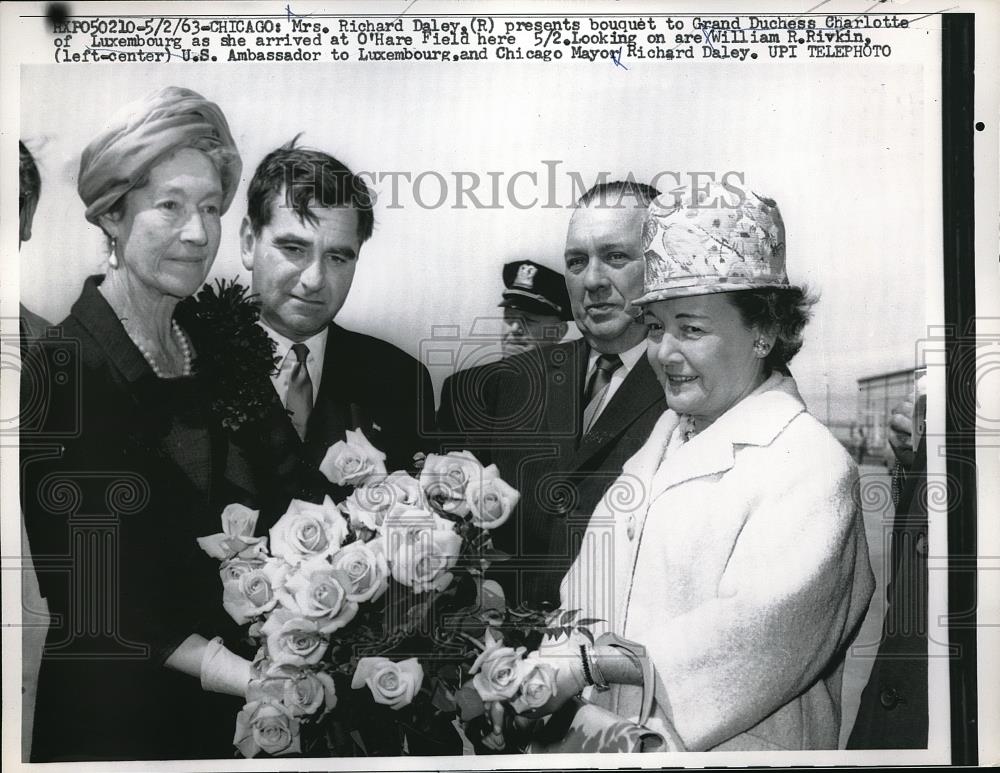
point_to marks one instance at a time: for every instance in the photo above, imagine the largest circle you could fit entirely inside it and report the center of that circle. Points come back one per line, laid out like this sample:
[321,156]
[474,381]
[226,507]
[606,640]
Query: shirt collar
[630,357]
[316,344]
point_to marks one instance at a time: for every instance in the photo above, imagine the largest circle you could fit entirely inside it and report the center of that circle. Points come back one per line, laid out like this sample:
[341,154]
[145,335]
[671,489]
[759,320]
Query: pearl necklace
[182,341]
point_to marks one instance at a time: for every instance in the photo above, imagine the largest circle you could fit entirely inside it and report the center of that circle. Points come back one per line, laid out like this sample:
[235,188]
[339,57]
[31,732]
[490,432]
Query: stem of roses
[472,639]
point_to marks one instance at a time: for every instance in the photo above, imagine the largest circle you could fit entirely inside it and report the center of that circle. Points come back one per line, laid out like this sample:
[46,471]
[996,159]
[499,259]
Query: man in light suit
[307,217]
[560,421]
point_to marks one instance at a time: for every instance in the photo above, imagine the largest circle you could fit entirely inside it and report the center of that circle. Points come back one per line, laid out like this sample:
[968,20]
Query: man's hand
[901,433]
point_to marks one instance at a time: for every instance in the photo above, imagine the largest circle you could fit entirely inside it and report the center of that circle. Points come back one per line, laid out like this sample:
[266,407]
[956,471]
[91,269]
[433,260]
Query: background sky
[848,150]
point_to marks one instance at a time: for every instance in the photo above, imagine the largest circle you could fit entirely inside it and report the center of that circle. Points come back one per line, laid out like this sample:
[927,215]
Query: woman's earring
[761,348]
[112,257]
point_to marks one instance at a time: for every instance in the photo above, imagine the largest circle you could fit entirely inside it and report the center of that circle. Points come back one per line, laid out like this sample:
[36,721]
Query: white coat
[739,560]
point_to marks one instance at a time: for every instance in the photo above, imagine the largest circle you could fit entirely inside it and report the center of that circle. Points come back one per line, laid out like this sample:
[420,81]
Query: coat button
[921,546]
[889,698]
[630,526]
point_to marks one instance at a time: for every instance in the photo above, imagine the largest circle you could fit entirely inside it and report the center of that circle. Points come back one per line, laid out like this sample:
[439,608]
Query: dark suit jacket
[120,473]
[524,414]
[30,325]
[370,384]
[894,706]
[367,384]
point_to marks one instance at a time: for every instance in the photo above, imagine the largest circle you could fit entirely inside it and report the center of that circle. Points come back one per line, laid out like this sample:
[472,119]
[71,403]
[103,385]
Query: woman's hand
[495,741]
[507,731]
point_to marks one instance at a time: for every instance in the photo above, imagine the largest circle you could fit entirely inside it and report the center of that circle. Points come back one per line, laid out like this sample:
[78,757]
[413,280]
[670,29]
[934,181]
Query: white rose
[263,726]
[301,691]
[538,685]
[402,521]
[491,499]
[352,462]
[248,590]
[307,530]
[444,480]
[368,505]
[238,524]
[391,684]
[293,640]
[318,592]
[422,559]
[365,566]
[498,670]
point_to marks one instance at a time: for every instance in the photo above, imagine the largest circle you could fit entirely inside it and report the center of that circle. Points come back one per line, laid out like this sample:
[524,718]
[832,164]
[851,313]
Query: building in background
[877,396]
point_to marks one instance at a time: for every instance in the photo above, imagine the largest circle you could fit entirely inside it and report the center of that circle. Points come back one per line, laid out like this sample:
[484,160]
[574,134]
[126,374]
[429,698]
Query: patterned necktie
[607,364]
[300,390]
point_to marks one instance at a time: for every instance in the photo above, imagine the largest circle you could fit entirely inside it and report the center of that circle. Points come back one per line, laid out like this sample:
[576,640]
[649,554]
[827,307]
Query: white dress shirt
[630,358]
[314,362]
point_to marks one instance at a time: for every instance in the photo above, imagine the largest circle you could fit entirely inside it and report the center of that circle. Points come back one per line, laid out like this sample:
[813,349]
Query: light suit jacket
[739,561]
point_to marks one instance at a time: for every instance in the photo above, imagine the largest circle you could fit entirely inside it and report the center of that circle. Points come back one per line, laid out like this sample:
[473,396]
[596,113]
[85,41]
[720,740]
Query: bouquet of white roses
[350,603]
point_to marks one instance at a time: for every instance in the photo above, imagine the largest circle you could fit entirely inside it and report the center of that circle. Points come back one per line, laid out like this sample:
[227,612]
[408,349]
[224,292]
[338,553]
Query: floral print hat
[712,240]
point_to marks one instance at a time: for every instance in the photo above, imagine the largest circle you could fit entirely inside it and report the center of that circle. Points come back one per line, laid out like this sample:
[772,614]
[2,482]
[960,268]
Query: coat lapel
[639,390]
[332,408]
[151,397]
[564,371]
[756,420]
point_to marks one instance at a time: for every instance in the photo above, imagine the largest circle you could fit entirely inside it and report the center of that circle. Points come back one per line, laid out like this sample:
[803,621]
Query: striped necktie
[299,399]
[607,364]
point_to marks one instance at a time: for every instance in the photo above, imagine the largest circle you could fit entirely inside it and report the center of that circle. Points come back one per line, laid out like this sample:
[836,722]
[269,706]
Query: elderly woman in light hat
[140,468]
[732,548]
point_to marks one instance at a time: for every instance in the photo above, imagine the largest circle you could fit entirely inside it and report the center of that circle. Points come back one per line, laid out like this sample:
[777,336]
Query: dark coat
[524,414]
[367,384]
[372,385]
[893,709]
[30,325]
[121,472]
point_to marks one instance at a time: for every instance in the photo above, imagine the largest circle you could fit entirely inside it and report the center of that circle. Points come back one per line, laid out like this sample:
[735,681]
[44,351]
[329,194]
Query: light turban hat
[140,135]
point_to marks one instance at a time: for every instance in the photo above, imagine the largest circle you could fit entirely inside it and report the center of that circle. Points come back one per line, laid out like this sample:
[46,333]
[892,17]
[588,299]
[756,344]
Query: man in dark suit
[893,711]
[307,218]
[560,421]
[536,312]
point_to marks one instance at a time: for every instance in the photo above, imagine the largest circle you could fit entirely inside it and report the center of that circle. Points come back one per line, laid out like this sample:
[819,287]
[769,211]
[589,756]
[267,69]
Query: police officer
[535,304]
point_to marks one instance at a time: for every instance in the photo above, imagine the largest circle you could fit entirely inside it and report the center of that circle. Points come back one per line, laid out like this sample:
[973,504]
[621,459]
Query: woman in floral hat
[738,558]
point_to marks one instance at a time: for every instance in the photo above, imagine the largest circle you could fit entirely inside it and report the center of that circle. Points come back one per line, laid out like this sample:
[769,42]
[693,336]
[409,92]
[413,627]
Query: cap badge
[526,276]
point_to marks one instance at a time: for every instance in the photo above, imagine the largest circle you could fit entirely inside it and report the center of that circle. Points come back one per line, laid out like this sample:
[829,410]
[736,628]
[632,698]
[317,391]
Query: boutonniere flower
[235,355]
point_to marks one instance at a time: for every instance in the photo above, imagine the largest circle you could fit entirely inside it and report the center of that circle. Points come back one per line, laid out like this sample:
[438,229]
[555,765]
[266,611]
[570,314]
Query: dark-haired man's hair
[612,194]
[29,179]
[306,178]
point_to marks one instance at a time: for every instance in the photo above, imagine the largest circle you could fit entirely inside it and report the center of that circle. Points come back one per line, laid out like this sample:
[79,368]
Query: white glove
[224,671]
